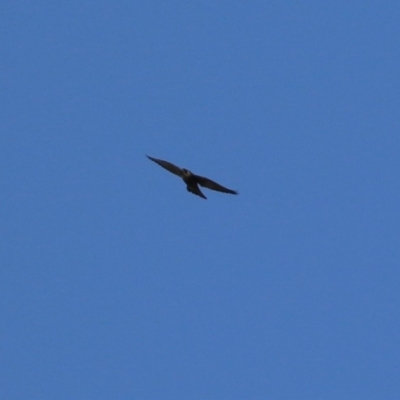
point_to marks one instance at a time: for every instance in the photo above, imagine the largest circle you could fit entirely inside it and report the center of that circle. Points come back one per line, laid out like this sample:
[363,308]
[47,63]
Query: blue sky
[116,283]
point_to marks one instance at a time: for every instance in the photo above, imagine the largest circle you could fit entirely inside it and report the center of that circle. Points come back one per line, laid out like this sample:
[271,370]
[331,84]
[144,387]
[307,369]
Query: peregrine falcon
[192,181]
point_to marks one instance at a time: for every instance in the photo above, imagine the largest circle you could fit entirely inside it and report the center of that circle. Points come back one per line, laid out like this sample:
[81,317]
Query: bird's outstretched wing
[196,190]
[208,183]
[167,165]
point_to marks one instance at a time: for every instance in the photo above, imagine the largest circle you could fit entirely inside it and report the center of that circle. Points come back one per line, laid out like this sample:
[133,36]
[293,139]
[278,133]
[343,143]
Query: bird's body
[192,181]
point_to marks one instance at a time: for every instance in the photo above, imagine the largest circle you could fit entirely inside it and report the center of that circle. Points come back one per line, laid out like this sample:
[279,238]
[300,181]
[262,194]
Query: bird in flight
[192,181]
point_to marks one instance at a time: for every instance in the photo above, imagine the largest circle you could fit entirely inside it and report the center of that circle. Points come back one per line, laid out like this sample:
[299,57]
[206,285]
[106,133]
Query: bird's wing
[208,183]
[196,190]
[167,165]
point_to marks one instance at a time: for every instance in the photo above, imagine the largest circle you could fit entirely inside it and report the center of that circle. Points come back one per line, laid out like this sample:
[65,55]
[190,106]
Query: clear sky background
[116,283]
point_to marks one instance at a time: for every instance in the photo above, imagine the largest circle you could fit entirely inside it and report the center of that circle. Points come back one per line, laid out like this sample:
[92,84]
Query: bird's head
[186,172]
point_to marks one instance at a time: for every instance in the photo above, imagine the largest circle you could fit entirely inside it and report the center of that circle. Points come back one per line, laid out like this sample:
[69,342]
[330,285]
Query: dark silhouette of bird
[192,181]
